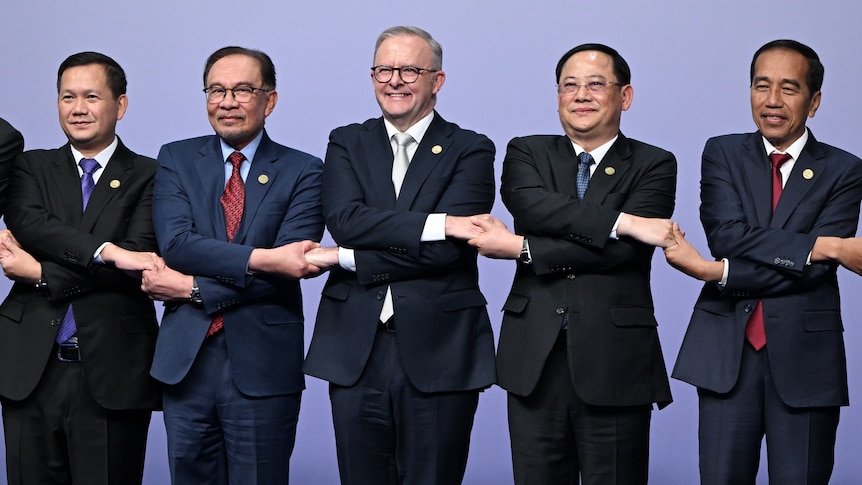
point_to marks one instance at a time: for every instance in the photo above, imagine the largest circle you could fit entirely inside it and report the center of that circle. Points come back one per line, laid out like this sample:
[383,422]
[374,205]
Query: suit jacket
[768,254]
[601,285]
[116,321]
[443,331]
[11,144]
[263,320]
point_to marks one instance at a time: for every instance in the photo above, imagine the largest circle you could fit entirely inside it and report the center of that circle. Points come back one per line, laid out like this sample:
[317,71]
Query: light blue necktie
[89,165]
[586,160]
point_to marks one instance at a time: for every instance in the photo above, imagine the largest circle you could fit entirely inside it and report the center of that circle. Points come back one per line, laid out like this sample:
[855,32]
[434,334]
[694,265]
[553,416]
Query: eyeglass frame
[232,90]
[591,86]
[419,72]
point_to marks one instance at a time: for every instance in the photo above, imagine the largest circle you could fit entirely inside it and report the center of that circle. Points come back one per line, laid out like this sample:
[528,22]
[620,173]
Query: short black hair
[267,68]
[115,74]
[814,78]
[621,67]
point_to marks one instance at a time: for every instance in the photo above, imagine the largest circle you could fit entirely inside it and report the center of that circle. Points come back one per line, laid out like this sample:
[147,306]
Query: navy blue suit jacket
[444,334]
[767,254]
[263,320]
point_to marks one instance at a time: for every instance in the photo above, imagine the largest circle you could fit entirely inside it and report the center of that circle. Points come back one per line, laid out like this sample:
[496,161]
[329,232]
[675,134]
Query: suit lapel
[261,176]
[561,169]
[806,171]
[209,167]
[67,183]
[375,169]
[612,169]
[434,147]
[112,181]
[757,175]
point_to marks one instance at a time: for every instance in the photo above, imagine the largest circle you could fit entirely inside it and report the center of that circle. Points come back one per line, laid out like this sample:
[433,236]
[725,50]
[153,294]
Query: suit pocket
[516,303]
[459,300]
[12,309]
[723,307]
[633,316]
[822,321]
[337,291]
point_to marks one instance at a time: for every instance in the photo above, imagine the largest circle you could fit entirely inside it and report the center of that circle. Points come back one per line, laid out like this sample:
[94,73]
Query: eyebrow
[792,82]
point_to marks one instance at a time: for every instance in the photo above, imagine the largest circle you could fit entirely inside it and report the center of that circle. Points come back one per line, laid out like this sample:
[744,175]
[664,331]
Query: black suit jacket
[11,144]
[116,321]
[767,254]
[444,334]
[600,284]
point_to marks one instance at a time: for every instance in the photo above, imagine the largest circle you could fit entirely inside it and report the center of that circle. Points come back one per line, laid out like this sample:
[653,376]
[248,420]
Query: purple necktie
[89,165]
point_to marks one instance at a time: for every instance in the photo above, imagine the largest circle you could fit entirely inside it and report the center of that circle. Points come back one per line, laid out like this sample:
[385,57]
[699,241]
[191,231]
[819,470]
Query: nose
[774,98]
[582,93]
[229,100]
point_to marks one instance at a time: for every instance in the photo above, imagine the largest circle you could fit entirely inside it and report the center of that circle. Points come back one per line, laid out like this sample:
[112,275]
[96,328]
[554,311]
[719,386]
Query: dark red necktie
[755,332]
[232,202]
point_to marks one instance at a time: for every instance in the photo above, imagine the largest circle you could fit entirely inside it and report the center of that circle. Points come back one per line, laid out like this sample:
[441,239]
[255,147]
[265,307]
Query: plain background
[689,62]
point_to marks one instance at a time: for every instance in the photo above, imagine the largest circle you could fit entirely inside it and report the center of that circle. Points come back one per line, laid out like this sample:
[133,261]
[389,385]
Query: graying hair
[436,48]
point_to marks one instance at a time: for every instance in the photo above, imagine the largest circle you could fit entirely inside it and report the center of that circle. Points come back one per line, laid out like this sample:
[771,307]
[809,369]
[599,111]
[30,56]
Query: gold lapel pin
[115,184]
[263,179]
[436,149]
[610,170]
[808,174]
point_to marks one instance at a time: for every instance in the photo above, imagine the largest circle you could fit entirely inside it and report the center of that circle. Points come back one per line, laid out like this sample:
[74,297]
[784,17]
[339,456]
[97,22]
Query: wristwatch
[195,294]
[525,252]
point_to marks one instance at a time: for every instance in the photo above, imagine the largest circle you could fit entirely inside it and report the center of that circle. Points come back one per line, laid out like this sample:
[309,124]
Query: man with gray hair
[402,332]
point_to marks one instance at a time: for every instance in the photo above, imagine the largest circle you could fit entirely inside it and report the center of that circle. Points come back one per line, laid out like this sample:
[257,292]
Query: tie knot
[89,165]
[778,159]
[586,159]
[402,139]
[235,159]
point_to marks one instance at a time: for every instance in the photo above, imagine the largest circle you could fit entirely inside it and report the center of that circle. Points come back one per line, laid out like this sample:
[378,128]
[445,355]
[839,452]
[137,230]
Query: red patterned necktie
[755,332]
[233,202]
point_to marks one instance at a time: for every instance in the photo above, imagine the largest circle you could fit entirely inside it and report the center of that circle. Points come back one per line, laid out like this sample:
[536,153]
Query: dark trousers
[387,432]
[217,435]
[800,442]
[59,435]
[557,438]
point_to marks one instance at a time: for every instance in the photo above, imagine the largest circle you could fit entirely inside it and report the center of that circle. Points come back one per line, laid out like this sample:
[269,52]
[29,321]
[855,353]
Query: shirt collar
[795,148]
[417,131]
[248,151]
[102,157]
[599,152]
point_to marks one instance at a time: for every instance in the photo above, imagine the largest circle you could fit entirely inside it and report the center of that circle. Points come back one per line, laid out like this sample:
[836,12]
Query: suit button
[381,295]
[56,322]
[777,260]
[560,310]
[570,276]
[747,308]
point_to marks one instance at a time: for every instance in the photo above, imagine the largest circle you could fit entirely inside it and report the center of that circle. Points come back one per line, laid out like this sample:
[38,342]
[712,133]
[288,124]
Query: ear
[439,79]
[271,100]
[628,94]
[122,104]
[815,103]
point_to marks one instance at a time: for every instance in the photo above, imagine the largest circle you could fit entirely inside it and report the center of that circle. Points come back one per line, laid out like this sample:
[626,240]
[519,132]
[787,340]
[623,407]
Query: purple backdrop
[690,75]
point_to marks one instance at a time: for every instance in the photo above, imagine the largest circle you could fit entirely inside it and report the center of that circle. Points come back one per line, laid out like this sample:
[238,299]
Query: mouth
[397,95]
[773,118]
[583,111]
[230,119]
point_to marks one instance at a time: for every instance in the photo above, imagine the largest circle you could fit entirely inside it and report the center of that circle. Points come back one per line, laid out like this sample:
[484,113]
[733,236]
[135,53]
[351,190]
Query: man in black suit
[11,144]
[76,332]
[402,332]
[764,345]
[579,353]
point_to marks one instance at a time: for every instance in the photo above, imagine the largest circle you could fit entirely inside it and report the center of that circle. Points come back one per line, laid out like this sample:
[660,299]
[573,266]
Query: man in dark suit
[234,215]
[764,346]
[402,332]
[11,144]
[579,353]
[76,333]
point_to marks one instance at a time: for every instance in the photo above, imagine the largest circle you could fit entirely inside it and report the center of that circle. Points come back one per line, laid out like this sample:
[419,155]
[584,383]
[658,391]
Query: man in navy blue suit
[234,214]
[402,332]
[764,345]
[11,144]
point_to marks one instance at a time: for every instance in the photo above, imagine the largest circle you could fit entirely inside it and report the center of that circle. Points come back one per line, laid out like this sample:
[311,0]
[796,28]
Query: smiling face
[88,109]
[592,119]
[781,100]
[239,123]
[405,104]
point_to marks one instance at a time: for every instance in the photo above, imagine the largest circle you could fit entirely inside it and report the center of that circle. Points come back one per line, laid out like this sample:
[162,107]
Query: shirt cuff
[435,228]
[346,259]
[97,256]
[616,226]
[721,283]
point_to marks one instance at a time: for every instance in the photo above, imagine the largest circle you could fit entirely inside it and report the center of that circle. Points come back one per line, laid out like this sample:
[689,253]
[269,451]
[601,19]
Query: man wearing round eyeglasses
[579,353]
[234,215]
[402,332]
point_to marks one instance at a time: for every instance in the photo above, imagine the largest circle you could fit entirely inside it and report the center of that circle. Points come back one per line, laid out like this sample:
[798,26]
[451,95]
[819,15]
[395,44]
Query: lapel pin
[436,149]
[610,170]
[263,179]
[115,184]
[808,174]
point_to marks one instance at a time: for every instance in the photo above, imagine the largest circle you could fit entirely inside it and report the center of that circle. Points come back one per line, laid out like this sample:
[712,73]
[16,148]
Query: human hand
[165,284]
[495,240]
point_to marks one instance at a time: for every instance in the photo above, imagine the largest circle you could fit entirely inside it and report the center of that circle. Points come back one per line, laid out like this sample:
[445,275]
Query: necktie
[585,160]
[401,161]
[755,332]
[88,165]
[233,203]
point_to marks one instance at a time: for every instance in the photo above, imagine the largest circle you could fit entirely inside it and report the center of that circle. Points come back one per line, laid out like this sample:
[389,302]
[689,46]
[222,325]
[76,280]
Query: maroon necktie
[233,202]
[755,332]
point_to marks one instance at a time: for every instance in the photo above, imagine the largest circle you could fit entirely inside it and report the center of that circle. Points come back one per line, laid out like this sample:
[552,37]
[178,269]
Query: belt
[387,326]
[68,351]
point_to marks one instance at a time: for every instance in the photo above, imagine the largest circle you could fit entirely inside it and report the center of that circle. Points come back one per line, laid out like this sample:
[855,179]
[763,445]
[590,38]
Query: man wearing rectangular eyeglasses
[579,353]
[234,214]
[402,332]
